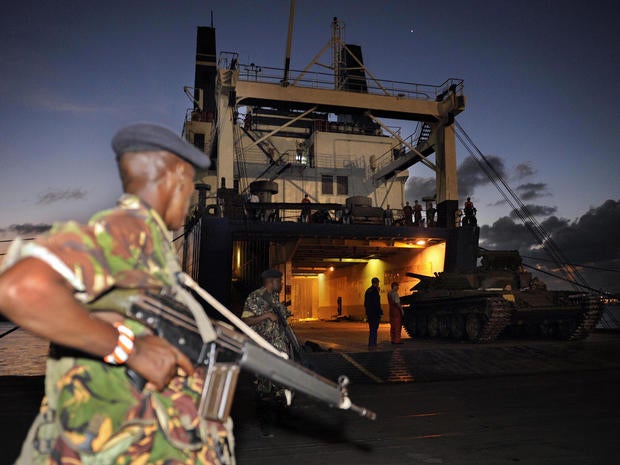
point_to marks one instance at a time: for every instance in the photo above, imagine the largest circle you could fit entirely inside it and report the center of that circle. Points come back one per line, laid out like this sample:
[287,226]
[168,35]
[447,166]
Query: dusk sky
[540,79]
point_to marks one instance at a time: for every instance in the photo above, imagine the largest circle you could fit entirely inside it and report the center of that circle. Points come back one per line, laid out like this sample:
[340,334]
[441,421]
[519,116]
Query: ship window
[199,142]
[327,184]
[342,185]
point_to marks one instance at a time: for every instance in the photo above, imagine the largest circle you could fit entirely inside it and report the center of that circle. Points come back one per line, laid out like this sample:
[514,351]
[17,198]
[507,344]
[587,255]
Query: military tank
[497,298]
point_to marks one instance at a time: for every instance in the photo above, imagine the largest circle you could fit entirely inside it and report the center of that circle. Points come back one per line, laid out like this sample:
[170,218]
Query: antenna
[289,40]
[211,18]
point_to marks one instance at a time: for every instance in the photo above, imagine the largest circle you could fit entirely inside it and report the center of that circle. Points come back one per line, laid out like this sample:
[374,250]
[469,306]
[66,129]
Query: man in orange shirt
[396,314]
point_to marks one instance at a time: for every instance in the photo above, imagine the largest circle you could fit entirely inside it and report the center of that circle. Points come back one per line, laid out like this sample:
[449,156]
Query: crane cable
[521,210]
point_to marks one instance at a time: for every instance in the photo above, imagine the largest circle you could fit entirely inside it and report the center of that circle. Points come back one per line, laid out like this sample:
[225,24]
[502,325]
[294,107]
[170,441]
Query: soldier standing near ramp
[92,412]
[396,314]
[264,312]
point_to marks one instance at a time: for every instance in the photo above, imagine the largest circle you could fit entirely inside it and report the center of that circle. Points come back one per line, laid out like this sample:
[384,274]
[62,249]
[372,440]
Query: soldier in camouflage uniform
[92,413]
[264,312]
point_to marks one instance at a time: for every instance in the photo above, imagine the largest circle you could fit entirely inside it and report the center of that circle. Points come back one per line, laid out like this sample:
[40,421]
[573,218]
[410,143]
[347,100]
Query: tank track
[593,310]
[500,314]
[494,314]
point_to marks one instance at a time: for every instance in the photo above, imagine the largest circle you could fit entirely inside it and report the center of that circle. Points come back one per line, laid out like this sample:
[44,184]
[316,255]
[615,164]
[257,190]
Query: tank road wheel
[457,327]
[421,328]
[531,331]
[546,329]
[566,328]
[444,326]
[409,323]
[473,326]
[433,325]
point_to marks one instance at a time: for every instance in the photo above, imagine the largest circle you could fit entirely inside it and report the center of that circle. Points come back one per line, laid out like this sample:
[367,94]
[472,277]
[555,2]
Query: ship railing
[293,212]
[320,80]
[228,60]
[318,213]
[352,128]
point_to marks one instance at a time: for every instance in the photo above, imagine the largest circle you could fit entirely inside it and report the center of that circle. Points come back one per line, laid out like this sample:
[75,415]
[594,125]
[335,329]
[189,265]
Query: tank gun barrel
[421,277]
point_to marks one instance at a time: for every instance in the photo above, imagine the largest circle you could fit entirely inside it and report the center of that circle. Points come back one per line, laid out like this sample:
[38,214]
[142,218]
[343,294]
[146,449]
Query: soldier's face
[274,283]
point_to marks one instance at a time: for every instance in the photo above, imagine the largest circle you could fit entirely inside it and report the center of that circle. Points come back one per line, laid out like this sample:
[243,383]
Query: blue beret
[271,274]
[140,137]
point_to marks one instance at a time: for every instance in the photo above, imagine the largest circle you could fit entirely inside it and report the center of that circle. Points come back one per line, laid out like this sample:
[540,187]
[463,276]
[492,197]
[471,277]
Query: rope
[574,283]
[599,268]
[572,275]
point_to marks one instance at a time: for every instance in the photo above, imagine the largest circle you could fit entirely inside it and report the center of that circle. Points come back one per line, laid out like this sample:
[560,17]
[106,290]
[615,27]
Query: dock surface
[438,402]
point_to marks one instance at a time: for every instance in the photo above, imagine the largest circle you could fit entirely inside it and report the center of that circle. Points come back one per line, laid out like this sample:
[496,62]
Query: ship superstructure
[308,173]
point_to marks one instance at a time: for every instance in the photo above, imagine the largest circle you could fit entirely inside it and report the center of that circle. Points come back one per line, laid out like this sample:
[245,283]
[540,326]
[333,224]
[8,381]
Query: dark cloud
[590,240]
[496,204]
[533,190]
[524,170]
[594,236]
[417,187]
[535,210]
[470,175]
[27,228]
[506,234]
[59,195]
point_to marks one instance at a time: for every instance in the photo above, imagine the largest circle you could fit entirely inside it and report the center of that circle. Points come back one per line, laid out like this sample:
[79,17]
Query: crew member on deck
[408,214]
[305,211]
[417,213]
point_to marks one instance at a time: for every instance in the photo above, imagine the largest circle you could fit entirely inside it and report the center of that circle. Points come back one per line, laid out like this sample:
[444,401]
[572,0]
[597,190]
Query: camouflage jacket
[258,303]
[91,413]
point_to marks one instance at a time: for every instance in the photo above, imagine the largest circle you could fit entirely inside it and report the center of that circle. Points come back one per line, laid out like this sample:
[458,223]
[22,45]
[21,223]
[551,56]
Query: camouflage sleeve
[252,306]
[95,257]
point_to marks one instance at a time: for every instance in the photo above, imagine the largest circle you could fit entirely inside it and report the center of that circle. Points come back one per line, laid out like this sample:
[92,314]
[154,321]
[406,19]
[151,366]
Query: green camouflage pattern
[258,303]
[91,413]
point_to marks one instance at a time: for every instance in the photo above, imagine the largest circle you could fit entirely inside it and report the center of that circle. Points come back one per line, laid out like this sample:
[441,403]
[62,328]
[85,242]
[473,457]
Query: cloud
[524,170]
[594,236]
[496,204]
[418,187]
[58,195]
[49,101]
[590,240]
[470,175]
[507,234]
[533,190]
[535,210]
[27,228]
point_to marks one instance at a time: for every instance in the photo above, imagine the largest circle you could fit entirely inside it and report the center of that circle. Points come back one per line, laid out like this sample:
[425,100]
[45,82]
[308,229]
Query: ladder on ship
[405,160]
[425,133]
[266,146]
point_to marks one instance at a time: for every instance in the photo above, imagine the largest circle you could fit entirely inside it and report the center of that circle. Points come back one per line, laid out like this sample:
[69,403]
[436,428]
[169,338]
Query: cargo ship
[308,176]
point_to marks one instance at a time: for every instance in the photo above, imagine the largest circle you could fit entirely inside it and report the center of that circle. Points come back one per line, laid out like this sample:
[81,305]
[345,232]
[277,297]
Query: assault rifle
[226,354]
[288,332]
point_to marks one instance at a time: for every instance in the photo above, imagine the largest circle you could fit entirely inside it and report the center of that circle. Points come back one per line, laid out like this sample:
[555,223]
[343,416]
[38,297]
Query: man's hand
[254,320]
[156,360]
[38,299]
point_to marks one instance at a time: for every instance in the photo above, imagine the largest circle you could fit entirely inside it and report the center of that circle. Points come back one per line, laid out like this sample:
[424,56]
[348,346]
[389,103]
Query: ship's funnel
[206,71]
